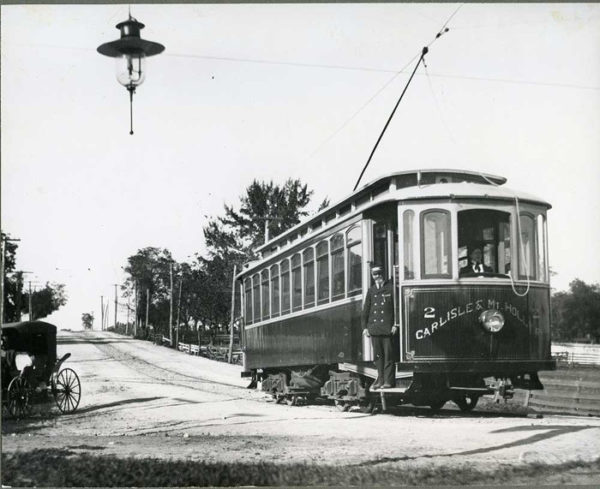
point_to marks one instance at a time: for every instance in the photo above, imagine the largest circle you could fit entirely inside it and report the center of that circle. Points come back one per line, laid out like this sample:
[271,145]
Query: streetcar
[462,334]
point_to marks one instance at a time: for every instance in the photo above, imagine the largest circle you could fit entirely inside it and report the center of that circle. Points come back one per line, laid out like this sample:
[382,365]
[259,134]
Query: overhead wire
[424,51]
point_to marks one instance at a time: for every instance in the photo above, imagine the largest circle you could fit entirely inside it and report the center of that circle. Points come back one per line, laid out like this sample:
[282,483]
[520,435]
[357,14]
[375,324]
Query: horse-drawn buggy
[31,372]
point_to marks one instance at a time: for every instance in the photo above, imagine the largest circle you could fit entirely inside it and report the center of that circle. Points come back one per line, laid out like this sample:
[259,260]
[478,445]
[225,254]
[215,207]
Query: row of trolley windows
[484,229]
[327,271]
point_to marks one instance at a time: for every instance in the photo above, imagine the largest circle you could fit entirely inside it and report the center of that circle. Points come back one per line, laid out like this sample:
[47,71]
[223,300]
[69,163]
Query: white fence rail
[577,353]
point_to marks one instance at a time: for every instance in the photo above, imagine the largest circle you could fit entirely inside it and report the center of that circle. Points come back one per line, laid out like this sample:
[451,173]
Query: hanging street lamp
[130,53]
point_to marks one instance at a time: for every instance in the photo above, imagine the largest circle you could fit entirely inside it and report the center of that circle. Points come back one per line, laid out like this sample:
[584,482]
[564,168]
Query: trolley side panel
[327,336]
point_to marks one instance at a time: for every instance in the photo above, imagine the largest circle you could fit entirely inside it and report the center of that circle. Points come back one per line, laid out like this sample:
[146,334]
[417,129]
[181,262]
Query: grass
[64,468]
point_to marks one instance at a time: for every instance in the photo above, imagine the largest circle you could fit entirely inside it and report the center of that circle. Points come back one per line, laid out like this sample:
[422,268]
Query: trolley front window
[527,248]
[409,244]
[484,245]
[435,253]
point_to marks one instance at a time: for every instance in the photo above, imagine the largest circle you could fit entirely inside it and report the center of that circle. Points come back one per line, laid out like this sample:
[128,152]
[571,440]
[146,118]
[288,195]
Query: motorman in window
[475,265]
[378,323]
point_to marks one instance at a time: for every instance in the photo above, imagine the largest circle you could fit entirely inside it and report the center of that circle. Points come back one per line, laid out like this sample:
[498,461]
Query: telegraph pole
[3,241]
[171,305]
[102,311]
[115,306]
[135,319]
[178,311]
[30,304]
[147,306]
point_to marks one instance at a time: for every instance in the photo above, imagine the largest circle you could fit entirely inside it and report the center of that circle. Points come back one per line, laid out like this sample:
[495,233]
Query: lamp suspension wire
[131,89]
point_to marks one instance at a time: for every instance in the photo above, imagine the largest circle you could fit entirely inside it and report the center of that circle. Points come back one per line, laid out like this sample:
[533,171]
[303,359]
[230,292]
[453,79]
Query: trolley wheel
[436,405]
[18,397]
[342,406]
[66,390]
[366,405]
[467,403]
[291,400]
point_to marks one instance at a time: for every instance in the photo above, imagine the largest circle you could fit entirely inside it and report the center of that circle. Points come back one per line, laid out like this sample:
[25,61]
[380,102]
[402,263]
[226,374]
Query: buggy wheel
[66,390]
[18,397]
[467,403]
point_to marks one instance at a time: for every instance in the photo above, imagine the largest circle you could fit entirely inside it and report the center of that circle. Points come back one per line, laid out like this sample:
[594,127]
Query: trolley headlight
[491,320]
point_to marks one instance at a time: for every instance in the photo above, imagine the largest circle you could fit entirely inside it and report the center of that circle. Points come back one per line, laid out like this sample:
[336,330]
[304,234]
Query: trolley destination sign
[478,306]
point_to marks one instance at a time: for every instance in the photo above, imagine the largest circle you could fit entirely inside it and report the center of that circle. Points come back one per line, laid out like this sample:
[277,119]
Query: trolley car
[41,373]
[461,335]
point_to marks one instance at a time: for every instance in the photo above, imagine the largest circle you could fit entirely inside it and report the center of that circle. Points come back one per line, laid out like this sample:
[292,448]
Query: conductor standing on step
[378,323]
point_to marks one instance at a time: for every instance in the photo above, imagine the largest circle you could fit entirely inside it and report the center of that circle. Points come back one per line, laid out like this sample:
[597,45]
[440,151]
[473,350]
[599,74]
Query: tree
[576,313]
[232,239]
[149,270]
[47,300]
[87,319]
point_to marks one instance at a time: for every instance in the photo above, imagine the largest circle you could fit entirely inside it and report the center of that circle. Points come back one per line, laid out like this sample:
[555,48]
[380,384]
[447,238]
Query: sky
[272,92]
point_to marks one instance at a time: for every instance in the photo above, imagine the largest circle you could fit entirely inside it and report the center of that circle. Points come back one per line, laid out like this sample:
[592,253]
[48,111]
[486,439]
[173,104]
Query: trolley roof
[407,185]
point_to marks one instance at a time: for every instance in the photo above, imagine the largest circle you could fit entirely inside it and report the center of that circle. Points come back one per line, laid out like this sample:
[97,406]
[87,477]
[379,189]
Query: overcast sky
[280,91]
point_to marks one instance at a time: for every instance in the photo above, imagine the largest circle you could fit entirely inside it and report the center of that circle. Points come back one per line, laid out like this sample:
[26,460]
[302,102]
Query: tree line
[198,294]
[17,298]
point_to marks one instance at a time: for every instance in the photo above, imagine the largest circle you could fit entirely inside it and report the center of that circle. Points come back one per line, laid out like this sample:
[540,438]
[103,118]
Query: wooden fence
[576,353]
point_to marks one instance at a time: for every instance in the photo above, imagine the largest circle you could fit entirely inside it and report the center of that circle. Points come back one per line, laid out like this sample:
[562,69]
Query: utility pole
[147,306]
[102,311]
[171,304]
[3,242]
[178,311]
[135,319]
[30,303]
[127,323]
[116,306]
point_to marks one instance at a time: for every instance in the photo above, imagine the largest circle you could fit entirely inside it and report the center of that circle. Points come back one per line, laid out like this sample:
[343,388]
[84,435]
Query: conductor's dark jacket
[378,310]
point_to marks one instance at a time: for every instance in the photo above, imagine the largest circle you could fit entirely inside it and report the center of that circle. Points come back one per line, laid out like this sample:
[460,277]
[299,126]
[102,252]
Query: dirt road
[142,400]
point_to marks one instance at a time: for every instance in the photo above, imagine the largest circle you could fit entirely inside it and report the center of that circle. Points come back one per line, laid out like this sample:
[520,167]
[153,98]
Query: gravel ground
[144,403]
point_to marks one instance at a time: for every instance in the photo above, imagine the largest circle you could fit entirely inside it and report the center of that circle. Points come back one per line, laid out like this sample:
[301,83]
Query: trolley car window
[337,266]
[275,290]
[527,248]
[265,294]
[296,282]
[308,257]
[436,244]
[256,297]
[484,236]
[322,272]
[285,286]
[248,300]
[409,247]
[353,240]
